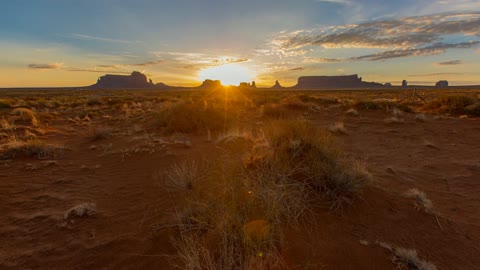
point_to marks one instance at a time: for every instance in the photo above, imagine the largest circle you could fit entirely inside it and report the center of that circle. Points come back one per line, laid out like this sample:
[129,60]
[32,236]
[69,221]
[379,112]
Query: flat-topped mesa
[325,82]
[135,80]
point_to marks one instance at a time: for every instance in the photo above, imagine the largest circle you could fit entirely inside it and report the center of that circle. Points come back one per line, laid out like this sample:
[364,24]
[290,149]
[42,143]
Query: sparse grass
[376,105]
[186,117]
[453,104]
[33,148]
[26,114]
[407,258]
[276,111]
[421,200]
[185,176]
[81,210]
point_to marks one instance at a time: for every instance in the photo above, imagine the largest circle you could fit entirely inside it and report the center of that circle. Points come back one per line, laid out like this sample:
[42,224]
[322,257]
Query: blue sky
[73,42]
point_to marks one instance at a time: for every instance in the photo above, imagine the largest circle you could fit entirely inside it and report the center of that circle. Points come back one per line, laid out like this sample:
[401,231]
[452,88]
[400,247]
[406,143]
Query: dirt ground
[121,174]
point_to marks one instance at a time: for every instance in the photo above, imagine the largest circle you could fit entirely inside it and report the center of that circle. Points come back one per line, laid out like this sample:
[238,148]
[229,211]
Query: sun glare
[231,74]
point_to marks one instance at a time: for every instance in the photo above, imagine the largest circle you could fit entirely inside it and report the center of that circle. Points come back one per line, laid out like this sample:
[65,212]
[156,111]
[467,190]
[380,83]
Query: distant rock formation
[326,82]
[135,80]
[404,83]
[211,84]
[277,85]
[441,84]
[388,84]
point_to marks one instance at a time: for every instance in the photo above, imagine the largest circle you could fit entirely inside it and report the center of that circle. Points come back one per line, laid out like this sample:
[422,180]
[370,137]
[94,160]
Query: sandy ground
[439,156]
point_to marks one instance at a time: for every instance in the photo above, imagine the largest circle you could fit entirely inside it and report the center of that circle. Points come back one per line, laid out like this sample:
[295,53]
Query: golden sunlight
[231,74]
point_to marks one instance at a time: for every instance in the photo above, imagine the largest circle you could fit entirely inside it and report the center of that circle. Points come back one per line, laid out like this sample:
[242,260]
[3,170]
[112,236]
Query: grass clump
[381,104]
[311,156]
[5,104]
[33,148]
[25,114]
[421,200]
[185,176]
[189,117]
[276,111]
[453,104]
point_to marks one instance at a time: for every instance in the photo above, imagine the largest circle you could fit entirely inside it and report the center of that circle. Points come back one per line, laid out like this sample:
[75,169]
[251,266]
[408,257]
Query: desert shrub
[473,109]
[294,103]
[31,148]
[94,100]
[317,100]
[187,117]
[26,114]
[185,176]
[451,104]
[312,156]
[421,200]
[5,104]
[376,105]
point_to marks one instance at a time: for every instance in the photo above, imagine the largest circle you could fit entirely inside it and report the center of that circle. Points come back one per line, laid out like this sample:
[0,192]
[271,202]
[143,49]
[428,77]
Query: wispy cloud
[46,66]
[435,49]
[450,63]
[421,35]
[342,2]
[436,74]
[103,39]
[98,71]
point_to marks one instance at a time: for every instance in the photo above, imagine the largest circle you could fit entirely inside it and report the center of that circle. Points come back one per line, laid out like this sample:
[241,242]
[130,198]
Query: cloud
[98,71]
[435,49]
[151,63]
[437,74]
[297,69]
[402,36]
[342,2]
[450,63]
[46,66]
[103,39]
[323,60]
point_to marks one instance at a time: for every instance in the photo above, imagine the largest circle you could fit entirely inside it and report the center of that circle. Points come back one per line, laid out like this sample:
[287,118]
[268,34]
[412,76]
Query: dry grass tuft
[81,210]
[33,148]
[352,112]
[185,176]
[394,120]
[277,111]
[407,258]
[421,200]
[308,155]
[26,114]
[453,104]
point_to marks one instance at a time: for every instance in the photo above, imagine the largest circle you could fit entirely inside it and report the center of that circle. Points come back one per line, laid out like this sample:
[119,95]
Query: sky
[73,42]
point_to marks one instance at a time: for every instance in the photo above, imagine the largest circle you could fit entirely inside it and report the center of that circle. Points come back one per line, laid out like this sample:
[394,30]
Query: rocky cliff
[135,80]
[331,82]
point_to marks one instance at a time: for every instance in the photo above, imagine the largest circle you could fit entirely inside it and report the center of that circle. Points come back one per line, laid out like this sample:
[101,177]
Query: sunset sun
[231,74]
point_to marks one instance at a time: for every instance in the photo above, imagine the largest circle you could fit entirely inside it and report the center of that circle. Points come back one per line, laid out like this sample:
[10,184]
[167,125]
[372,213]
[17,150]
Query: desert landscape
[240,135]
[239,179]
